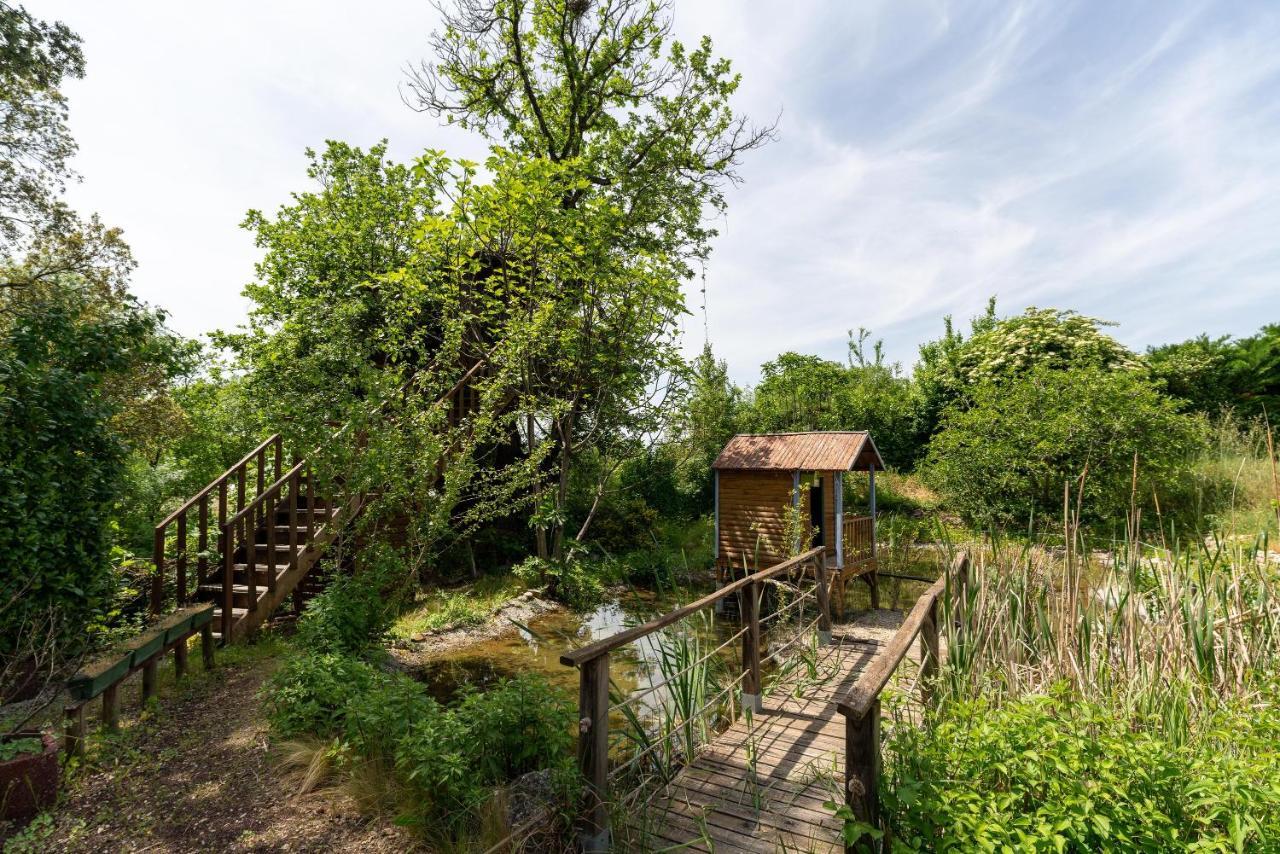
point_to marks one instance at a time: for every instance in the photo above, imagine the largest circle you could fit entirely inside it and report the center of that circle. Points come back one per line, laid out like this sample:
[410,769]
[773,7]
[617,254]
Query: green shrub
[517,726]
[1059,773]
[445,761]
[309,694]
[1006,455]
[355,612]
[575,581]
[70,362]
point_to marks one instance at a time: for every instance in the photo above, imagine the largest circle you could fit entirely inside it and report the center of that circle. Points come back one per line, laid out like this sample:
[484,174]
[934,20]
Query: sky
[1118,159]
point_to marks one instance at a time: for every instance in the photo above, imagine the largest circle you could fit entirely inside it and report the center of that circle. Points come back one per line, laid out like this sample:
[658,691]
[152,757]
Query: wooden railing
[592,662]
[859,543]
[861,706]
[232,491]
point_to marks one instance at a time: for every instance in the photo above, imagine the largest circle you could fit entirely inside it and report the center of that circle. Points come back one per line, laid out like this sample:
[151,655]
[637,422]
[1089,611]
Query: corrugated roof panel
[817,451]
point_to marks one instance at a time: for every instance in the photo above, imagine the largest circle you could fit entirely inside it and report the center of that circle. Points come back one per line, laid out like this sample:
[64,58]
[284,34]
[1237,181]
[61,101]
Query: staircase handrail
[218,481]
[274,489]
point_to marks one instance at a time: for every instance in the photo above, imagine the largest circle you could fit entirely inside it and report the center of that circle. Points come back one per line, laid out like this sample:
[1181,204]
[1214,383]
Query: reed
[1143,627]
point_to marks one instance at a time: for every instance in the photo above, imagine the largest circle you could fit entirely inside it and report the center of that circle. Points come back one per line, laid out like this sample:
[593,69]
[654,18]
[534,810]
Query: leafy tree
[35,144]
[323,335]
[1195,371]
[712,416]
[72,362]
[1007,454]
[645,128]
[810,393]
[1210,374]
[1000,349]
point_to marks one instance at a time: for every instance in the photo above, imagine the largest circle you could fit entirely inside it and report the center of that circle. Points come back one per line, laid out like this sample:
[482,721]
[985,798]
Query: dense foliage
[1056,773]
[798,393]
[1211,374]
[35,144]
[1007,455]
[70,363]
[442,762]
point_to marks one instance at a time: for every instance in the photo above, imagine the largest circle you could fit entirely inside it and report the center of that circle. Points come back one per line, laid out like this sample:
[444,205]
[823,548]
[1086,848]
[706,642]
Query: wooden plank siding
[752,508]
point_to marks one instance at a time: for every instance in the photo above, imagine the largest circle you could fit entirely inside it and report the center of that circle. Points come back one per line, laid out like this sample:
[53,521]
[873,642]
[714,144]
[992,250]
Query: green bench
[102,678]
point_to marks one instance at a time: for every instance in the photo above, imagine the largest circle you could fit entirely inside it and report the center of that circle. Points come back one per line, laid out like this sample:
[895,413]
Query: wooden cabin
[772,485]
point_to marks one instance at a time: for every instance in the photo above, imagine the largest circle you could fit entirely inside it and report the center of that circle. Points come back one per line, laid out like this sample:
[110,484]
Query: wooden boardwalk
[798,741]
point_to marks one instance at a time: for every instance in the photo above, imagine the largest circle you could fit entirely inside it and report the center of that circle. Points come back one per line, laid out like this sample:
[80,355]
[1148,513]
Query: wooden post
[202,543]
[824,599]
[291,507]
[206,645]
[862,769]
[262,485]
[929,653]
[157,582]
[749,605]
[228,580]
[149,672]
[111,706]
[180,658]
[250,539]
[311,507]
[180,584]
[872,577]
[73,736]
[272,505]
[593,752]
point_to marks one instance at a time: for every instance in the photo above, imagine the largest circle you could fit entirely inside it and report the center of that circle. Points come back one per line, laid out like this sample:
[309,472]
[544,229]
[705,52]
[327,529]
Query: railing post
[157,582]
[249,532]
[593,752]
[292,510]
[929,653]
[180,577]
[750,607]
[228,579]
[269,510]
[824,599]
[202,543]
[862,770]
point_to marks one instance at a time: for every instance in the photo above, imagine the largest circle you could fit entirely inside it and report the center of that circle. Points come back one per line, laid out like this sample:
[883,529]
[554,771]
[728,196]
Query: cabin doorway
[817,516]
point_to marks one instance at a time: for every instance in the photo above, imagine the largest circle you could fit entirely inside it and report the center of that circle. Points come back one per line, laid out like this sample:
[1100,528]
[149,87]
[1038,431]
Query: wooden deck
[798,742]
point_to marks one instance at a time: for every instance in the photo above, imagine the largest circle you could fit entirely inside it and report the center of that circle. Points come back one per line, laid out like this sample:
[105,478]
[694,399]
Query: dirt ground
[196,773]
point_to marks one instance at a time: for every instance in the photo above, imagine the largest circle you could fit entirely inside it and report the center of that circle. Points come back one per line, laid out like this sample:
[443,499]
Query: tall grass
[1147,629]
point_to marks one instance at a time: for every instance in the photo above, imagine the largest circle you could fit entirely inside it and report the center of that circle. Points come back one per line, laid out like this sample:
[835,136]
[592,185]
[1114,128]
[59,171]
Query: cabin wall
[829,512]
[753,506]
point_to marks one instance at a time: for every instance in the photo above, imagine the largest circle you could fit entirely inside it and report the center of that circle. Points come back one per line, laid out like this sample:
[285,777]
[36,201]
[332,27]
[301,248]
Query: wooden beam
[593,752]
[866,690]
[575,657]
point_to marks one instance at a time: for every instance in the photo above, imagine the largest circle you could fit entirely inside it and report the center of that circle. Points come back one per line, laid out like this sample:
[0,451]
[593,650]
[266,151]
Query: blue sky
[1121,159]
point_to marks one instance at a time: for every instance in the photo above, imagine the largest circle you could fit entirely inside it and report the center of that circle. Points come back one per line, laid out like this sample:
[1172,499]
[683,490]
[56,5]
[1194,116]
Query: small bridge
[804,730]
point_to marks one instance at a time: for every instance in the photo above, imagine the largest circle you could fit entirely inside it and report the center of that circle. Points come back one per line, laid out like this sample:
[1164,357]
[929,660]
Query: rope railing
[861,705]
[594,703]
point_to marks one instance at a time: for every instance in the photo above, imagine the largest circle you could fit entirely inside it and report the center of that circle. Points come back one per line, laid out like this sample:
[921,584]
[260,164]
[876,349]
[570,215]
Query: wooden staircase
[247,541]
[250,539]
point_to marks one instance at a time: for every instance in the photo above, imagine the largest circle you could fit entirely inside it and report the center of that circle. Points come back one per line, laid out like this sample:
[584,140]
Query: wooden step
[240,596]
[263,556]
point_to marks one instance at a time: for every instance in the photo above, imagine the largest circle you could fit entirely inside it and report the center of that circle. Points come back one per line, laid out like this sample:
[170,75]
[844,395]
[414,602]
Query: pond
[537,646]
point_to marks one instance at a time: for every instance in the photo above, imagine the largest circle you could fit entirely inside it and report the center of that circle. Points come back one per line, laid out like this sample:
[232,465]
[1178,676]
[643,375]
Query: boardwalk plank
[800,752]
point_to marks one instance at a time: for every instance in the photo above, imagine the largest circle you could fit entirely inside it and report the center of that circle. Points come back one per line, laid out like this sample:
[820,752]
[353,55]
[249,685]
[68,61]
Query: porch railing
[861,705]
[859,544]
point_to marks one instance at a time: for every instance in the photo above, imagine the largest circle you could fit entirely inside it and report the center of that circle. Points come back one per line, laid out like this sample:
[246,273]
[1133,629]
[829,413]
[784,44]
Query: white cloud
[1120,159]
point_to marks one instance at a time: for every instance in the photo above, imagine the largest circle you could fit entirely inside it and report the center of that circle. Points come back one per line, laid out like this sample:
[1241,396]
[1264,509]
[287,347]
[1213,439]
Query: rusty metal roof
[818,451]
